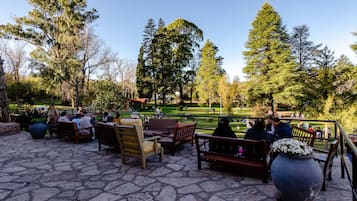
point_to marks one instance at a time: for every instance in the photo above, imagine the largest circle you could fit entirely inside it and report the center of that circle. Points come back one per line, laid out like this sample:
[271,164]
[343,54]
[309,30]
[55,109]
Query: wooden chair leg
[143,162]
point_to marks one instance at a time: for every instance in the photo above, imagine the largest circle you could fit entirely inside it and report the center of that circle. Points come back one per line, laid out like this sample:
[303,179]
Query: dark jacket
[283,130]
[254,134]
[223,130]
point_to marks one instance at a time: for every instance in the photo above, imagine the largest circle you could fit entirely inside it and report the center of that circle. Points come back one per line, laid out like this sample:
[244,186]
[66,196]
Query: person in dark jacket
[282,130]
[223,130]
[257,132]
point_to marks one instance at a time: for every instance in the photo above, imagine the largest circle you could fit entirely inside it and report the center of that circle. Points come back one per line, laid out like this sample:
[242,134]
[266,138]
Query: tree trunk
[4,115]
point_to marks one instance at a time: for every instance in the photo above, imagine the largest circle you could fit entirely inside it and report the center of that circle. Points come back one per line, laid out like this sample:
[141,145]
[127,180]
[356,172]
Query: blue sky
[225,22]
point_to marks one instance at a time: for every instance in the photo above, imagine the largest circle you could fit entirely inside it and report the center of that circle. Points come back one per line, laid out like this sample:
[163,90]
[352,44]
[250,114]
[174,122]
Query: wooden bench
[255,163]
[183,132]
[69,130]
[161,127]
[304,135]
[105,134]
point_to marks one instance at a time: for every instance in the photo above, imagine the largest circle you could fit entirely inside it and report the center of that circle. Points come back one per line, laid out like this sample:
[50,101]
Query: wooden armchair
[105,134]
[327,159]
[132,143]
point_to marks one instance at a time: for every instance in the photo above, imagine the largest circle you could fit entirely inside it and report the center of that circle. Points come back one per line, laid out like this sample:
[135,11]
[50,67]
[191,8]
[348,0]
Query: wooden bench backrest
[161,124]
[304,135]
[65,128]
[184,131]
[106,134]
[203,140]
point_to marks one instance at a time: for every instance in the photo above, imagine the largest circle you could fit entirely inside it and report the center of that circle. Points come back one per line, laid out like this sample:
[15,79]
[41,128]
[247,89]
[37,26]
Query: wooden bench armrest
[152,138]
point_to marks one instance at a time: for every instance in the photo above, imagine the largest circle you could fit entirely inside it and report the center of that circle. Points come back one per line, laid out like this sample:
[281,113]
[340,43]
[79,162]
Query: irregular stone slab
[87,194]
[143,181]
[97,184]
[188,198]
[4,193]
[175,167]
[22,197]
[13,169]
[155,187]
[212,186]
[180,182]
[91,172]
[140,197]
[11,186]
[242,193]
[113,184]
[67,194]
[106,197]
[65,185]
[160,172]
[26,189]
[44,193]
[189,189]
[8,178]
[125,189]
[168,193]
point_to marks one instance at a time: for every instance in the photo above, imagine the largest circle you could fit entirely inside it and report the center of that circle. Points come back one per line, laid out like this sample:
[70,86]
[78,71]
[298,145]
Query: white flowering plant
[292,147]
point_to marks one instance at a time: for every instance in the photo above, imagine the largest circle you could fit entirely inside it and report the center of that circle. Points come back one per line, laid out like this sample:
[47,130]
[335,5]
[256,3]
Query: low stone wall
[9,128]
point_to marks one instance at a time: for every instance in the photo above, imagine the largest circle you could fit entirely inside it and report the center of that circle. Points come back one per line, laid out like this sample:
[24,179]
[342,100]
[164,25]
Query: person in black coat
[282,130]
[223,130]
[257,132]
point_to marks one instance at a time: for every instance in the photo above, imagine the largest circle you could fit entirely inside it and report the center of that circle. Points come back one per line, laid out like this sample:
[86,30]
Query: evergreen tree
[208,74]
[304,51]
[270,66]
[143,78]
[354,46]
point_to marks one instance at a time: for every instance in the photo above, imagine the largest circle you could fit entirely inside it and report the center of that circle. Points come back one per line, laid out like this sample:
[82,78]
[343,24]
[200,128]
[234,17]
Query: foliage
[208,74]
[292,147]
[108,96]
[228,92]
[55,29]
[270,67]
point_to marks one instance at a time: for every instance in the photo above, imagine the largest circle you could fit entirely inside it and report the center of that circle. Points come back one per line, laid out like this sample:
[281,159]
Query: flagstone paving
[57,170]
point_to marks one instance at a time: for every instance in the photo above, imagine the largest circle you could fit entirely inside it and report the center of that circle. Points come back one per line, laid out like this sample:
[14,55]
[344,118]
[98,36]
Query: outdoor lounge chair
[132,144]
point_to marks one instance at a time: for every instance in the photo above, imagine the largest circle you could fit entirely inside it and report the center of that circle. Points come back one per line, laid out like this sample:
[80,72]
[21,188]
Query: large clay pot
[296,178]
[38,130]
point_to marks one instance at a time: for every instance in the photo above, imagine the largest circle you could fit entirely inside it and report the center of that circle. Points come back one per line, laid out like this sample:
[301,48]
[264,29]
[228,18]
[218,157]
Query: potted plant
[295,174]
[38,127]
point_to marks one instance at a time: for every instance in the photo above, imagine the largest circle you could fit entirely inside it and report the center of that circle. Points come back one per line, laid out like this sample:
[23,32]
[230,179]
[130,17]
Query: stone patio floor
[52,169]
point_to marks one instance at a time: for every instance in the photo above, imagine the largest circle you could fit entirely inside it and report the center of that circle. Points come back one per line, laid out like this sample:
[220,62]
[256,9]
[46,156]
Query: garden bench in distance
[70,130]
[256,164]
[304,135]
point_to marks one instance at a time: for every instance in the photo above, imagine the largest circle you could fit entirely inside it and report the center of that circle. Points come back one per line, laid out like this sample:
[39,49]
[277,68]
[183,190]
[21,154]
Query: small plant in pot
[38,127]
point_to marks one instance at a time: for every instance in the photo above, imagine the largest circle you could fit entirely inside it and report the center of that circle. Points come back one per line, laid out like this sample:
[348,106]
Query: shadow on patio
[52,169]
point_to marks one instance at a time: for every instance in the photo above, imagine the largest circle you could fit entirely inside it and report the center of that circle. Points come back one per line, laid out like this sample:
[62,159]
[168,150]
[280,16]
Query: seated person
[282,130]
[77,119]
[85,124]
[223,130]
[63,117]
[257,132]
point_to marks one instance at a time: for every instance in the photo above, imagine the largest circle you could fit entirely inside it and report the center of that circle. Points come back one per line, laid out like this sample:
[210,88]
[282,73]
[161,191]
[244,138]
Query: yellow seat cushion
[149,146]
[138,124]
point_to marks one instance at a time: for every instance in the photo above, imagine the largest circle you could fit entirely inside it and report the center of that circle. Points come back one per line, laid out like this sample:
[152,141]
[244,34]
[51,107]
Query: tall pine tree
[208,74]
[270,66]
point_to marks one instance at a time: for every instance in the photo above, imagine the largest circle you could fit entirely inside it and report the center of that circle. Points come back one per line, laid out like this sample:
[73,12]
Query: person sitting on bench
[223,130]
